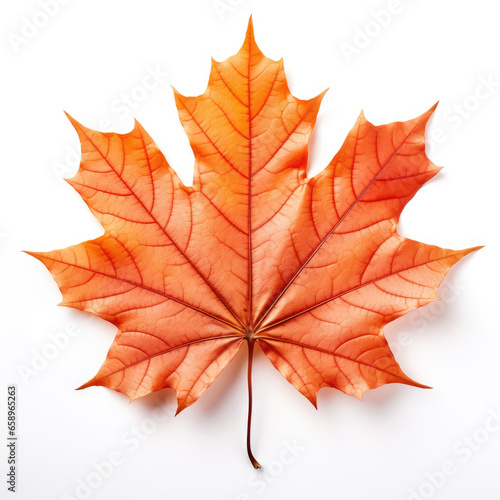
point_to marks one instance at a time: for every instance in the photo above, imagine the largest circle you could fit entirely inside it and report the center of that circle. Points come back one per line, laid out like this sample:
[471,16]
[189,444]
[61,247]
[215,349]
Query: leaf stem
[256,464]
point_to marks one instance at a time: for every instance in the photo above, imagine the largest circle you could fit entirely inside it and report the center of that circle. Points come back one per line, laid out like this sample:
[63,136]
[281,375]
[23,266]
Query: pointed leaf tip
[250,24]
[249,44]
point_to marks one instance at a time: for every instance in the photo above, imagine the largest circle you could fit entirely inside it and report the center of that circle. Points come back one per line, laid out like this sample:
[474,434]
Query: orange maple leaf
[310,269]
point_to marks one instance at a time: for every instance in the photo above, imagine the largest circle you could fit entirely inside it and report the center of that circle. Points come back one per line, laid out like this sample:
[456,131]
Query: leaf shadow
[222,391]
[164,398]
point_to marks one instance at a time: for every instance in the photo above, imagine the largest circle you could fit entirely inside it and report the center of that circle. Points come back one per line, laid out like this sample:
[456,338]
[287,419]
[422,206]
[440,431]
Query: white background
[82,60]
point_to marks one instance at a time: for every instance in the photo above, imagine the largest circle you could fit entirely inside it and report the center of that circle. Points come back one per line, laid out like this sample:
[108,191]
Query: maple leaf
[310,269]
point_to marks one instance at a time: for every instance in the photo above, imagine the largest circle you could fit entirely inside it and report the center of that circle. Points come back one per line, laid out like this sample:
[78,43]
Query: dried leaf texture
[310,269]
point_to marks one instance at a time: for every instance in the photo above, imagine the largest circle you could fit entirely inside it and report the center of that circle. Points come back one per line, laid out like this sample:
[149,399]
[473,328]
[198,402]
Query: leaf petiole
[251,343]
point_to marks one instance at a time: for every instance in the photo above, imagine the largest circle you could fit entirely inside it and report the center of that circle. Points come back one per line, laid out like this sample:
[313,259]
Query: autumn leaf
[309,269]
